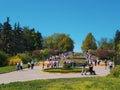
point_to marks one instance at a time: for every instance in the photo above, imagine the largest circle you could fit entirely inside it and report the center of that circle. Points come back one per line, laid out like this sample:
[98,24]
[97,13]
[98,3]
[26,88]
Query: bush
[3,58]
[67,66]
[13,60]
[115,72]
[25,57]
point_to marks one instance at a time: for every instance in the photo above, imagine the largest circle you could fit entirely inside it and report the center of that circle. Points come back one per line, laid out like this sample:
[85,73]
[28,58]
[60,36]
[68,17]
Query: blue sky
[74,17]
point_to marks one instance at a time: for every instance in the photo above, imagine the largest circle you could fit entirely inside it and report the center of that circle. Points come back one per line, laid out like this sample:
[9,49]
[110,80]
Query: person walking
[17,66]
[32,64]
[106,63]
[111,65]
[29,65]
[84,68]
[21,65]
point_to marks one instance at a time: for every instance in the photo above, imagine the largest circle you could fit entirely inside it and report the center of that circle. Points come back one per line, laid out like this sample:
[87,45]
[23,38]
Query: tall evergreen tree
[38,41]
[6,36]
[89,43]
[1,43]
[18,39]
[117,47]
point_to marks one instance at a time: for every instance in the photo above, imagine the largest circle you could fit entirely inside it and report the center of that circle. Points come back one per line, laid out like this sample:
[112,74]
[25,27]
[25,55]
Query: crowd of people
[90,62]
[94,61]
[19,65]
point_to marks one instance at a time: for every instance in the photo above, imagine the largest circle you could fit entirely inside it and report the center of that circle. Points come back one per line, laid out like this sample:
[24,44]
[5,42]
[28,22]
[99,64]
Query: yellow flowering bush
[13,60]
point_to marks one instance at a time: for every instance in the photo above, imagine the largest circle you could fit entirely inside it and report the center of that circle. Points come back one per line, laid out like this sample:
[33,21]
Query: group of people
[19,65]
[92,72]
[31,64]
[108,63]
[53,64]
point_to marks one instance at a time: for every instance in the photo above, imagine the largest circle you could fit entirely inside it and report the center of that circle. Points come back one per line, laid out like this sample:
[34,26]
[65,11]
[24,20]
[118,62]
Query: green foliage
[117,47]
[67,66]
[36,54]
[18,40]
[3,58]
[59,42]
[89,43]
[65,44]
[32,40]
[45,53]
[115,72]
[104,43]
[6,37]
[63,70]
[25,57]
[117,39]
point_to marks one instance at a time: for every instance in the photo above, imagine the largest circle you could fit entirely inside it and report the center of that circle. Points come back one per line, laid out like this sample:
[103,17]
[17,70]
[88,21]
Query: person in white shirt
[111,65]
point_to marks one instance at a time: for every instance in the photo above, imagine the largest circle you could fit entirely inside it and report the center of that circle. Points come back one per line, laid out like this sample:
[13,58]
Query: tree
[104,43]
[18,41]
[66,43]
[3,58]
[1,43]
[38,40]
[6,36]
[116,46]
[89,43]
[59,43]
[45,54]
[32,40]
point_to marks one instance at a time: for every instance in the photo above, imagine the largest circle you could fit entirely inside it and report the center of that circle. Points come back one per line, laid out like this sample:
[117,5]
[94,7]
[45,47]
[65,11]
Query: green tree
[1,43]
[18,41]
[45,54]
[89,43]
[32,40]
[104,43]
[6,36]
[59,43]
[117,47]
[38,40]
[3,58]
[65,44]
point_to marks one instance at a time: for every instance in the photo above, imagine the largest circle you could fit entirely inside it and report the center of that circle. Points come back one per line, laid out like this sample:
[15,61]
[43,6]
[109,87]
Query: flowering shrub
[13,60]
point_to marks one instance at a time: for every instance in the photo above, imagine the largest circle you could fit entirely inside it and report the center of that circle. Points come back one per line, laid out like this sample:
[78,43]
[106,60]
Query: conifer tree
[89,43]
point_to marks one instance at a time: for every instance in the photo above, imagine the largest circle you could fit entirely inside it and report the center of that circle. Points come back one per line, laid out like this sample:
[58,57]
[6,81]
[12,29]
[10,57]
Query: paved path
[36,74]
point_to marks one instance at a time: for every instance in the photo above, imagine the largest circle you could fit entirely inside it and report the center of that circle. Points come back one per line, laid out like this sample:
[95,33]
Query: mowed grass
[7,69]
[86,83]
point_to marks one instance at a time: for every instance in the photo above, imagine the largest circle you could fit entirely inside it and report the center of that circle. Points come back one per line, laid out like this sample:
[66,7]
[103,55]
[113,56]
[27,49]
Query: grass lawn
[88,83]
[7,69]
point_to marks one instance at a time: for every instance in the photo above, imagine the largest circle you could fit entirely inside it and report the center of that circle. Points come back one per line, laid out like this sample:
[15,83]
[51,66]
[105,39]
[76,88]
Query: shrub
[25,57]
[3,58]
[13,60]
[67,66]
[115,72]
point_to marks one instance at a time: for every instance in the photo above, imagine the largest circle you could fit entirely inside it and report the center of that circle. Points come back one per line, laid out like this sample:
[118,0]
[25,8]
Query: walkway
[36,74]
